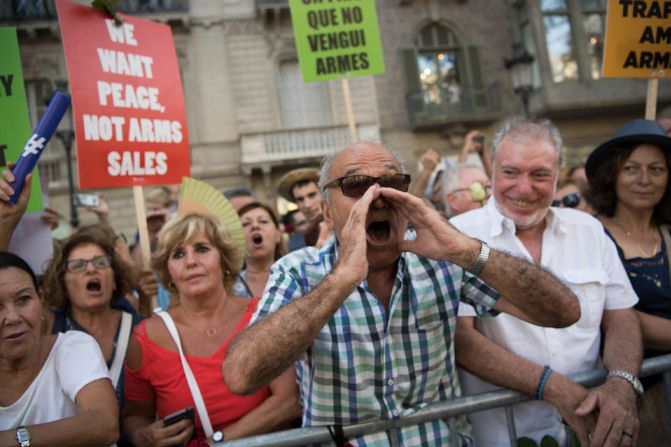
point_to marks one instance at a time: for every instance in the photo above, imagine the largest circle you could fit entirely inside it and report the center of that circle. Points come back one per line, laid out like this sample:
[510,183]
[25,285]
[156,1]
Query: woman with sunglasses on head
[54,389]
[264,244]
[631,193]
[86,284]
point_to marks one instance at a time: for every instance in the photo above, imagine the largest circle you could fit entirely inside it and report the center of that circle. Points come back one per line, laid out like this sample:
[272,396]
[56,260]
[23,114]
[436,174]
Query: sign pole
[350,110]
[651,99]
[145,306]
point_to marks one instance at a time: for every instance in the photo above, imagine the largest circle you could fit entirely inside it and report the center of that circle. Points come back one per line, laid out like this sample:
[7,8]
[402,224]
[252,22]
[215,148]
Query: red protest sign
[127,99]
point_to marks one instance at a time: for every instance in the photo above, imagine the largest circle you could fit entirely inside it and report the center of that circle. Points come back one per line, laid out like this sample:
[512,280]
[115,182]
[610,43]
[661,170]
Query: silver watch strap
[629,377]
[481,260]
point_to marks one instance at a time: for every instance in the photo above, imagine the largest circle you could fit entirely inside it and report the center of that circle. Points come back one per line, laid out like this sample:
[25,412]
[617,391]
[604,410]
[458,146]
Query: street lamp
[521,72]
[67,137]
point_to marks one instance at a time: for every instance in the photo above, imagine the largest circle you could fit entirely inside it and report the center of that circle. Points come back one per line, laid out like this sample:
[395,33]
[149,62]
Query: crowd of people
[499,269]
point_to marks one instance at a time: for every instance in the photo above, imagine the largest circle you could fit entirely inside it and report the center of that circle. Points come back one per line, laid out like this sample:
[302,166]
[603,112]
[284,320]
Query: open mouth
[257,239]
[379,232]
[94,285]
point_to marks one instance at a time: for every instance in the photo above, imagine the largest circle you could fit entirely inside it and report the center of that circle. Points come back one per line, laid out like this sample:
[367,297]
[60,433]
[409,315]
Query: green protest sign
[336,39]
[14,122]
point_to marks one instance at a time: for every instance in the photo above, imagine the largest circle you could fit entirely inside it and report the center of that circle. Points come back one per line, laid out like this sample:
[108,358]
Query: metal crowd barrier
[443,410]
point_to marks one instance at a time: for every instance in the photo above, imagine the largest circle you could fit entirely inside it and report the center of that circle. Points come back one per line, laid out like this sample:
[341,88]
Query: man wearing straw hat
[369,317]
[300,187]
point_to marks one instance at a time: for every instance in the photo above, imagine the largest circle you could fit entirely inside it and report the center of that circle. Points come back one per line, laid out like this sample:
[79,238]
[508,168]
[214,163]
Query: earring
[171,285]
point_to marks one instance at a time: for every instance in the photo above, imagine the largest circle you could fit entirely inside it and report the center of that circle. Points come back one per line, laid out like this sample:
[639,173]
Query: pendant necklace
[645,253]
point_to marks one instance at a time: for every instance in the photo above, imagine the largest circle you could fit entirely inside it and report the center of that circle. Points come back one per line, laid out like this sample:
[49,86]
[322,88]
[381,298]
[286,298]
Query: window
[438,62]
[302,105]
[594,26]
[557,24]
[38,93]
[560,17]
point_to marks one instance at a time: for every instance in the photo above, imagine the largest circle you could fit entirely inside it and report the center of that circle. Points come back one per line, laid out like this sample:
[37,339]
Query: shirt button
[390,381]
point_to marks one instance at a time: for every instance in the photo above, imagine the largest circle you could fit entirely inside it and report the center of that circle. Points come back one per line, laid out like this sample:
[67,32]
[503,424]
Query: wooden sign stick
[350,110]
[145,306]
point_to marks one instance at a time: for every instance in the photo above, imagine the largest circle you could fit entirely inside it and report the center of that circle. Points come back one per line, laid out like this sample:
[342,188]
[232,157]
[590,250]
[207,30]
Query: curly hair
[602,195]
[182,229]
[104,237]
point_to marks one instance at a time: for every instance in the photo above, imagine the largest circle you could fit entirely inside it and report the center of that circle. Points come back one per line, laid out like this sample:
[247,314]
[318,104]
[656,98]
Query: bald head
[346,162]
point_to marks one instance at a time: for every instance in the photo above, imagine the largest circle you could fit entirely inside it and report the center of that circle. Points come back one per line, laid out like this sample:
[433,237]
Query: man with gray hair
[368,318]
[465,188]
[509,352]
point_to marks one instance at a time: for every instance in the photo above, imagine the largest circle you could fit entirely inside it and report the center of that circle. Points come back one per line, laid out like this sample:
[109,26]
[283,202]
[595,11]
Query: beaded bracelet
[541,383]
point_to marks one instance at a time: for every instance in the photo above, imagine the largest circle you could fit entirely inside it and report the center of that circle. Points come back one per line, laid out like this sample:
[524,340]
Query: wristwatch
[218,436]
[632,379]
[23,436]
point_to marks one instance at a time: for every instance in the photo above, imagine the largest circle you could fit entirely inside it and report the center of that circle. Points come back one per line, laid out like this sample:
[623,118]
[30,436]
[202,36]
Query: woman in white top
[54,389]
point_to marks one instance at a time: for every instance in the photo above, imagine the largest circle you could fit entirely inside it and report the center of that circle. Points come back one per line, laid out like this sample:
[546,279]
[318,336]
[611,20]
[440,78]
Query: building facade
[251,118]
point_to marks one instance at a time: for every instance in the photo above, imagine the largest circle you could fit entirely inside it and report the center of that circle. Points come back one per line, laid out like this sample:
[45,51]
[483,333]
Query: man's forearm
[622,344]
[264,350]
[537,293]
[489,361]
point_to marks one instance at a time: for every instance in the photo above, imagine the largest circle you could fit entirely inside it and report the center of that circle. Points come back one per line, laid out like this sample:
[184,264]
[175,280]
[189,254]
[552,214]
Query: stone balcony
[297,146]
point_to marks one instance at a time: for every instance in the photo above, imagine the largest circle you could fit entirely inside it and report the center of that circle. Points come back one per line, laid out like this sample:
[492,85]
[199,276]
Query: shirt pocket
[428,317]
[589,285]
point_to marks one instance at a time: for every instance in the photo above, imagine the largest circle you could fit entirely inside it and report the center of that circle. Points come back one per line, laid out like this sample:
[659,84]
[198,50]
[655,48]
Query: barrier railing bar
[439,410]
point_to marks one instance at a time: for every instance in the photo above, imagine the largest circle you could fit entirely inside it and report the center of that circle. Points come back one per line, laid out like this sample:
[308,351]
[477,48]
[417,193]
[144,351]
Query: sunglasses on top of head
[357,185]
[568,201]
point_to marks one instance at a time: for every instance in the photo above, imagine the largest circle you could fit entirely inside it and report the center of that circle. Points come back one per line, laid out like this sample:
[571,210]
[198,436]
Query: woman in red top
[199,262]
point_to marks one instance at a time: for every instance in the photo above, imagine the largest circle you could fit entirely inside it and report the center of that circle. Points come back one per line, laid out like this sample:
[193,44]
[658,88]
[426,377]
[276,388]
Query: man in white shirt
[518,219]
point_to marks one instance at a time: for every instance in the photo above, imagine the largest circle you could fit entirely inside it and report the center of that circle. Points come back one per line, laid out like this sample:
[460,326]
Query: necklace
[638,245]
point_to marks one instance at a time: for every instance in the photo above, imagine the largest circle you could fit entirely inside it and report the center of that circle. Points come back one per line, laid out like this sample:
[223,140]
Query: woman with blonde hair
[198,261]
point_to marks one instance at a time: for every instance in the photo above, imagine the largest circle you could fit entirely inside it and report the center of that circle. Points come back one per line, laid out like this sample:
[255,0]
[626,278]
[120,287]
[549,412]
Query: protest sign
[128,105]
[638,39]
[14,122]
[336,39]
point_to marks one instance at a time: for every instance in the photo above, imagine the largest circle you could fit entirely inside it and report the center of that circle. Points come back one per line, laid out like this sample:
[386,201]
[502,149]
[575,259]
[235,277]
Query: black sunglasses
[569,201]
[357,185]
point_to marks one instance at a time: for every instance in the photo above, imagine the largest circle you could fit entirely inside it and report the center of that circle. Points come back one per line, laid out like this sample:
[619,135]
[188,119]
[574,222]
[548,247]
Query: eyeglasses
[568,201]
[79,265]
[357,185]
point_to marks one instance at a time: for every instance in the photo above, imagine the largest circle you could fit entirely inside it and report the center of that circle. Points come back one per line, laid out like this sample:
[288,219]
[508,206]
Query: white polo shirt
[576,250]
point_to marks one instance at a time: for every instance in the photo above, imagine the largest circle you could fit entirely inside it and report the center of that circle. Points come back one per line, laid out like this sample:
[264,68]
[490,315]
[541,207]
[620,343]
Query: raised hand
[102,210]
[430,160]
[352,260]
[10,214]
[436,238]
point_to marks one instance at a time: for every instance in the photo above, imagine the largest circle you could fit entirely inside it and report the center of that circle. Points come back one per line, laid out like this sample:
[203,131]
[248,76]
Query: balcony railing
[441,106]
[291,145]
[265,4]
[18,11]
